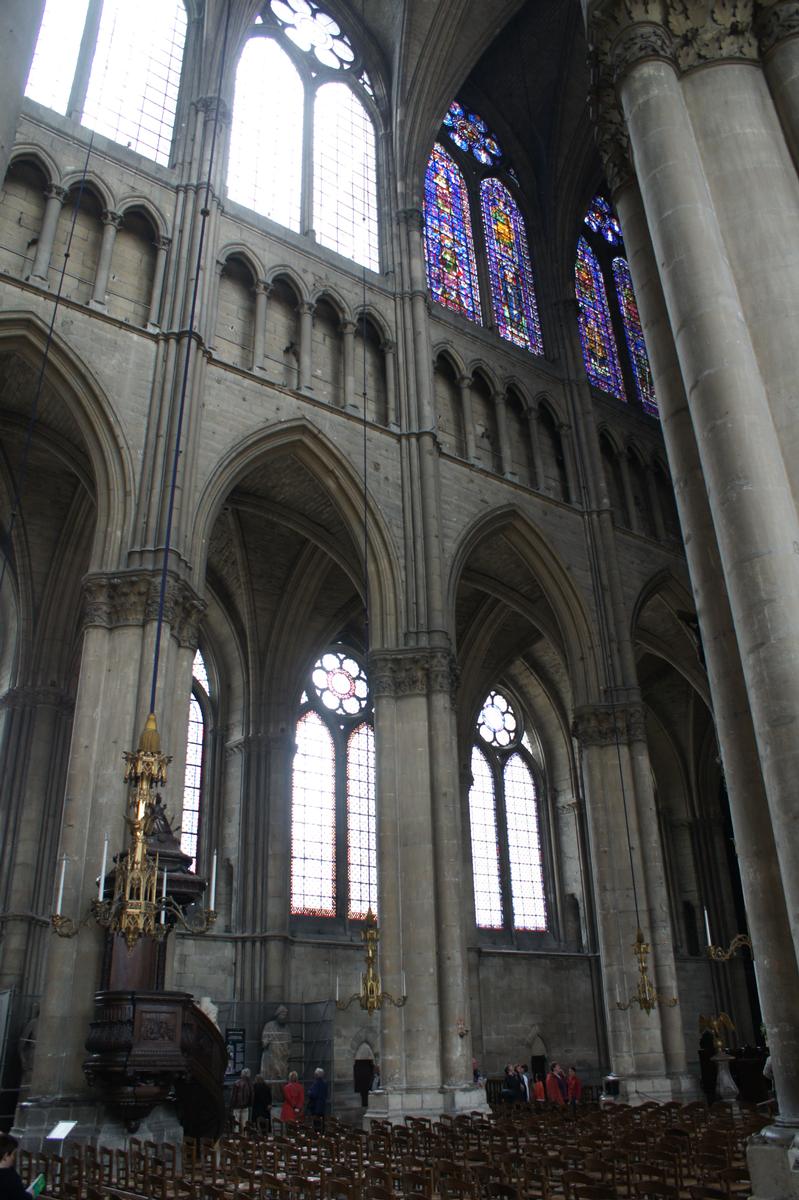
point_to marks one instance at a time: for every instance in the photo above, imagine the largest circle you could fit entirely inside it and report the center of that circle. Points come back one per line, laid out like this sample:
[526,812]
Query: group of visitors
[250,1099]
[557,1088]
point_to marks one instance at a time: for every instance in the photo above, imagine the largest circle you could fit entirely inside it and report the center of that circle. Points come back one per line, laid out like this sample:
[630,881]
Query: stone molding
[611,137]
[131,598]
[636,44]
[415,672]
[775,23]
[37,697]
[603,724]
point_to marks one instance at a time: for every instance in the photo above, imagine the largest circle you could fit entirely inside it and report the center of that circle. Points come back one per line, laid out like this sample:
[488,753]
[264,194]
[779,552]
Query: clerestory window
[302,142]
[114,66]
[507,859]
[612,339]
[333,822]
[472,217]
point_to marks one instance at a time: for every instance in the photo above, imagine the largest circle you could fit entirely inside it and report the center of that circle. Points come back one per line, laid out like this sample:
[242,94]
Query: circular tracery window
[311,29]
[340,683]
[470,132]
[497,723]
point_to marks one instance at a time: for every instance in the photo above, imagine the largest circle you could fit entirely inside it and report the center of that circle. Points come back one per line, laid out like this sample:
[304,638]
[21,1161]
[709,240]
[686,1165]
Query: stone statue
[211,1011]
[276,1044]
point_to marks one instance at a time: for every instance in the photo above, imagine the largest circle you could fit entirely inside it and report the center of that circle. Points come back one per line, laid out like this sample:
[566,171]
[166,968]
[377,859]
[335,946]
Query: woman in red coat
[575,1088]
[553,1088]
[293,1099]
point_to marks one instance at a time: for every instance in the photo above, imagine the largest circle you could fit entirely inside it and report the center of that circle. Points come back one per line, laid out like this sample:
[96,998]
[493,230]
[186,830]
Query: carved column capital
[109,217]
[611,137]
[306,308]
[416,672]
[37,697]
[161,242]
[54,192]
[603,724]
[707,31]
[131,598]
[775,22]
[639,42]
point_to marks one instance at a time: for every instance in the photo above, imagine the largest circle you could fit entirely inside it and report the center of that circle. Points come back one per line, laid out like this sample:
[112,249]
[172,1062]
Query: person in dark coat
[317,1100]
[11,1186]
[261,1099]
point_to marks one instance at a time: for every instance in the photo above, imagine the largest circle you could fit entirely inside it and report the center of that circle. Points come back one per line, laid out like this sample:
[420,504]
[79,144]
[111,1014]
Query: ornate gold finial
[150,740]
[645,996]
[371,996]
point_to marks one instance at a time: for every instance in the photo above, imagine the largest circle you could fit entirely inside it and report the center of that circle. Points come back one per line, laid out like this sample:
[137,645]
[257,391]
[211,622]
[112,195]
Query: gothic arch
[151,212]
[345,489]
[23,152]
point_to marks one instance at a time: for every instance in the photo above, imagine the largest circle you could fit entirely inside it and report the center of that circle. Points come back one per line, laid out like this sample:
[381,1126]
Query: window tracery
[510,271]
[118,70]
[507,860]
[596,331]
[333,820]
[312,165]
[448,240]
[195,749]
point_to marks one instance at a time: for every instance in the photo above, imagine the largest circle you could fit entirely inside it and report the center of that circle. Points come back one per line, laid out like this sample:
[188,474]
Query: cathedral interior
[398,400]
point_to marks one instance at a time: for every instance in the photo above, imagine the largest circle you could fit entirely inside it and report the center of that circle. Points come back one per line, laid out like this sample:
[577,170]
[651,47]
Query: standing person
[553,1089]
[560,1075]
[538,1089]
[240,1100]
[11,1186]
[574,1088]
[511,1086]
[293,1099]
[261,1097]
[317,1100]
[525,1078]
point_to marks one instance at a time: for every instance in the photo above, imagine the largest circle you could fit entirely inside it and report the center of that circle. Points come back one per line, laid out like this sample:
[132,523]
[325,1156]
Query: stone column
[535,444]
[54,200]
[654,504]
[19,29]
[110,709]
[390,360]
[306,311]
[112,221]
[465,387]
[262,291]
[421,890]
[502,430]
[162,245]
[632,515]
[755,520]
[777,27]
[775,961]
[347,331]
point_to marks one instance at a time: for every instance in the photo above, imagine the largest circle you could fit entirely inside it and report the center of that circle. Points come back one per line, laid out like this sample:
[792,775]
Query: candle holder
[645,995]
[371,996]
[741,941]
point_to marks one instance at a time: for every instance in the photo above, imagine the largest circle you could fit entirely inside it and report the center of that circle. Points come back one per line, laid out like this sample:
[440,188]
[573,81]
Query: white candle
[163,899]
[101,884]
[60,899]
[707,929]
[404,991]
[212,905]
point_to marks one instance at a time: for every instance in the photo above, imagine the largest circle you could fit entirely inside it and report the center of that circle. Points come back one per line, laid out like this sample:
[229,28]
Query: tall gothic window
[333,825]
[302,142]
[480,183]
[114,66]
[195,753]
[507,860]
[608,312]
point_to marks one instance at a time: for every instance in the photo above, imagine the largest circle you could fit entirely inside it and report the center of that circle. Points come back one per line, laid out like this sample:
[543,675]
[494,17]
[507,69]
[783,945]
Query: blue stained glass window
[601,219]
[596,332]
[470,132]
[634,334]
[511,274]
[448,242]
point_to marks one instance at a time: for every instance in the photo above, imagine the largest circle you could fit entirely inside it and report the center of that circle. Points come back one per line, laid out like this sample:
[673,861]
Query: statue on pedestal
[276,1046]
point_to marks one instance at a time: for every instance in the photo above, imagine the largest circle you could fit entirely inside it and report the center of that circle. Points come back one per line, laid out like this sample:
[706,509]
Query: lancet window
[113,66]
[333,824]
[195,759]
[302,142]
[478,188]
[507,859]
[608,311]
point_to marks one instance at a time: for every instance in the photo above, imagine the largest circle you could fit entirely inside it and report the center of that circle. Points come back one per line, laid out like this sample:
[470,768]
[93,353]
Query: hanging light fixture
[645,995]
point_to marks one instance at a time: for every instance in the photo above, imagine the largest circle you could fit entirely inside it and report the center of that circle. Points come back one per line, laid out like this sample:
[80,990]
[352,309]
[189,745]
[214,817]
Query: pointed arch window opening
[448,238]
[600,354]
[195,755]
[312,165]
[507,857]
[132,75]
[509,267]
[333,824]
[634,335]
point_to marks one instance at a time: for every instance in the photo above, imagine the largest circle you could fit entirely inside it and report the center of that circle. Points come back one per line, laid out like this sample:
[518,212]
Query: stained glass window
[313,820]
[507,860]
[470,132]
[634,335]
[448,242]
[313,30]
[361,827]
[511,274]
[600,218]
[485,846]
[596,332]
[133,54]
[333,820]
[344,176]
[524,846]
[193,776]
